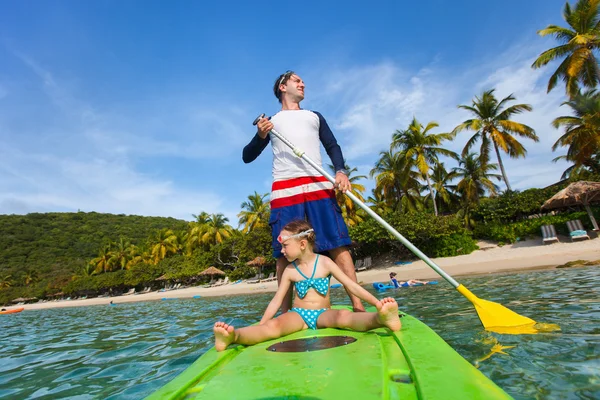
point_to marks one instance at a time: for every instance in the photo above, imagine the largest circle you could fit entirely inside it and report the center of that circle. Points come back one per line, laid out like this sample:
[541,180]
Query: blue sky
[143,107]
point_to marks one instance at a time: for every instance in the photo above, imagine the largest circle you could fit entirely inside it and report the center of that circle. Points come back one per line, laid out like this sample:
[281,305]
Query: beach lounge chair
[217,283]
[364,265]
[166,288]
[130,292]
[270,278]
[576,230]
[254,279]
[358,266]
[222,282]
[549,234]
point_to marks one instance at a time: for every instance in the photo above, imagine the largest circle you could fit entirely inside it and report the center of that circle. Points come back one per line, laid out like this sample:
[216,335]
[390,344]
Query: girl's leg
[386,316]
[285,324]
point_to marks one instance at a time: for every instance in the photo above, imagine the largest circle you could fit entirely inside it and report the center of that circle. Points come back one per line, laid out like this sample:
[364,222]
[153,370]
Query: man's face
[294,88]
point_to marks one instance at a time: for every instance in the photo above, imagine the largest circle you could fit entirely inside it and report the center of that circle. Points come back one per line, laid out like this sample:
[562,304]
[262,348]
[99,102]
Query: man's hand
[264,127]
[342,182]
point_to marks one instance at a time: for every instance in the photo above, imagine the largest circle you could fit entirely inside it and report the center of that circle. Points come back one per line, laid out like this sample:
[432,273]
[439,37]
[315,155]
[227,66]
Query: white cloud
[366,105]
[80,155]
[46,183]
[85,159]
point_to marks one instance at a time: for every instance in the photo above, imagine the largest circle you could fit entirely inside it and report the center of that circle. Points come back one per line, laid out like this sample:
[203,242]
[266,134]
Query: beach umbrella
[212,271]
[162,278]
[577,193]
[258,263]
[23,299]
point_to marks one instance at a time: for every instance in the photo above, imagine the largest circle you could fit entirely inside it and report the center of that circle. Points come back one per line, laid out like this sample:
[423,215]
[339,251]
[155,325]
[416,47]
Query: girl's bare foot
[224,335]
[387,314]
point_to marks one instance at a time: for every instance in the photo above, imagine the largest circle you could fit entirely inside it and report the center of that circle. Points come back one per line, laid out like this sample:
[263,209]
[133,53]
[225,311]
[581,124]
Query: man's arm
[333,149]
[254,148]
[335,154]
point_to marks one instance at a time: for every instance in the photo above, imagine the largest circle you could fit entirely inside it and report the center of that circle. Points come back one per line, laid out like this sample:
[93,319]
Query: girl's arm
[275,303]
[349,284]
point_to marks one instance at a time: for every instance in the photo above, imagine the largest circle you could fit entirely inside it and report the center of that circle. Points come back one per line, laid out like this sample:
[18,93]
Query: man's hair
[281,80]
[301,225]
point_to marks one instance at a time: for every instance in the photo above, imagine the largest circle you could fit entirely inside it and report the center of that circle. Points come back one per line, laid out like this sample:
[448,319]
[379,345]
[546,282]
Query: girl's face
[291,248]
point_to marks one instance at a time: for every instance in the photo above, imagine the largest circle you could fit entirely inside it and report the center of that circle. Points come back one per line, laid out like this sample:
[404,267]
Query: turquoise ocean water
[129,351]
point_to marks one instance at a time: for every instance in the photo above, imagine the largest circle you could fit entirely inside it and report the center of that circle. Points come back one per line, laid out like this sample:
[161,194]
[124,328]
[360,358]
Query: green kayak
[414,363]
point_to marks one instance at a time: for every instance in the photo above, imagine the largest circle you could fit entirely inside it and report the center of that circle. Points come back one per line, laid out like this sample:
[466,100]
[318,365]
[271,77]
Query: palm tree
[121,255]
[377,202]
[394,179]
[582,131]
[102,262]
[181,239]
[493,125]
[163,244]
[349,210]
[578,45]
[197,230]
[441,179]
[255,212]
[86,271]
[217,229]
[138,255]
[30,277]
[6,281]
[422,149]
[475,178]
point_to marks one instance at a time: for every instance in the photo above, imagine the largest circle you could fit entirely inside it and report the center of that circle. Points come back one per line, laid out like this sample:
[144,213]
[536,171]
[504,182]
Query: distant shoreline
[490,259]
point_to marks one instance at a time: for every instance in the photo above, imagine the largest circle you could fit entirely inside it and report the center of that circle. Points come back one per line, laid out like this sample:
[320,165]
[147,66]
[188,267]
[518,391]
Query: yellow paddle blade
[497,318]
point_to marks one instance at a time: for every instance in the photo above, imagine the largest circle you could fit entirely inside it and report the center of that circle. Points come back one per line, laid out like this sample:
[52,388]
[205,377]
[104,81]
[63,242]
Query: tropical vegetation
[440,200]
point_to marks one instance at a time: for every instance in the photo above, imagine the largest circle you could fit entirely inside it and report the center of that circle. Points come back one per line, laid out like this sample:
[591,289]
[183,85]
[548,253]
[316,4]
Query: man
[299,191]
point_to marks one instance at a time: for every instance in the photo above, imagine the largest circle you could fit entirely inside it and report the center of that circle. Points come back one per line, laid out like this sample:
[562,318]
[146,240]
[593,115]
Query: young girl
[310,274]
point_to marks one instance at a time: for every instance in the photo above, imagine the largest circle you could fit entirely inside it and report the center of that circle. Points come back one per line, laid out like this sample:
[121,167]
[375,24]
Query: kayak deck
[414,363]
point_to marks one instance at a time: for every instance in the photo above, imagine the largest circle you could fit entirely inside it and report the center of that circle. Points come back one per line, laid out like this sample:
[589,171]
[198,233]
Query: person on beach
[299,191]
[410,282]
[310,274]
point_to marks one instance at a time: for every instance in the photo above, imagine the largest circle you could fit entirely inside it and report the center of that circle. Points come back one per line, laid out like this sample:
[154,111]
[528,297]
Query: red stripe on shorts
[290,183]
[302,198]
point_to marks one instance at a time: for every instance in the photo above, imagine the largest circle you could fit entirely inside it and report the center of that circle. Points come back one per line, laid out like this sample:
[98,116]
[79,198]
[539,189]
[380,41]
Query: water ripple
[127,352]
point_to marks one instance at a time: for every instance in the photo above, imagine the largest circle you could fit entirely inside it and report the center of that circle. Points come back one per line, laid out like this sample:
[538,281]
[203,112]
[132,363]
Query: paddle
[494,317]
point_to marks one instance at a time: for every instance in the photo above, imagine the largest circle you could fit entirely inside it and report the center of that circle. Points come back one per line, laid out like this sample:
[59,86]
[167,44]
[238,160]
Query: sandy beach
[489,259]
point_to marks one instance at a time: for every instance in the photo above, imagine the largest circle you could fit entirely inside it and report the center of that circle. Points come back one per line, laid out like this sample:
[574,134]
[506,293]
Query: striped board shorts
[311,198]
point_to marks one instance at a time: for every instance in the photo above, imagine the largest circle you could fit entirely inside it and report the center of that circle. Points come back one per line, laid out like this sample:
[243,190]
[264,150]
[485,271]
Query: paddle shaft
[298,152]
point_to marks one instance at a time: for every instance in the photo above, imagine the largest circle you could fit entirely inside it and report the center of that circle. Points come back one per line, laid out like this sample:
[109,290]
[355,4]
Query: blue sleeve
[254,148]
[331,145]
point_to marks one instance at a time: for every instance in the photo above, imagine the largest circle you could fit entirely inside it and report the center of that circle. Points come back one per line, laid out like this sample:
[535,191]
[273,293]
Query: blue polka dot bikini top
[321,285]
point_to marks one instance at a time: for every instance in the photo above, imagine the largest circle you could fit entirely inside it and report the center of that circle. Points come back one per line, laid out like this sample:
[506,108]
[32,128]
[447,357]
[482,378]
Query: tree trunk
[591,214]
[432,193]
[502,168]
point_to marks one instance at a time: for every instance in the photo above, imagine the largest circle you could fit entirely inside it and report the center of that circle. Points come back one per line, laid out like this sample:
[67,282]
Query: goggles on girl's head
[282,239]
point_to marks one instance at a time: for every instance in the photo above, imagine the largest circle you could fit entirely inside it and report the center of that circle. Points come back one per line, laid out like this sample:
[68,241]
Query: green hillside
[55,245]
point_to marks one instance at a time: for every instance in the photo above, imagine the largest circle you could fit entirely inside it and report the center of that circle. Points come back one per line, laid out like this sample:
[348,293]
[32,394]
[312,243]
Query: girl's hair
[393,274]
[301,225]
